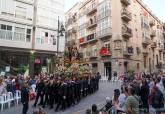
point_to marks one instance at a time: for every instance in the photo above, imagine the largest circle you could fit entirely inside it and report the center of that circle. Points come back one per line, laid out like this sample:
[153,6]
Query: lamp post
[60,31]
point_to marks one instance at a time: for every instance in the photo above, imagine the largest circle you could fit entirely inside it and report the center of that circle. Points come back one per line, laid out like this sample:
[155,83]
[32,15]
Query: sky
[157,6]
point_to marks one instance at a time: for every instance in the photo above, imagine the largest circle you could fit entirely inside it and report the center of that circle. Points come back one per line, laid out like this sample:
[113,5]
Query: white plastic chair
[9,98]
[17,96]
[3,100]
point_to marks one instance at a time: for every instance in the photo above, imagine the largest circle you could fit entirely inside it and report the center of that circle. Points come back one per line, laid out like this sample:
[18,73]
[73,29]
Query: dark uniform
[51,95]
[55,92]
[63,90]
[46,95]
[40,92]
[25,99]
[59,96]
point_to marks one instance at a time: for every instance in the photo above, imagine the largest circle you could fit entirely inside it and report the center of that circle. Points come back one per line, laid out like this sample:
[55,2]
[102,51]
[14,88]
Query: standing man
[40,92]
[25,98]
[115,76]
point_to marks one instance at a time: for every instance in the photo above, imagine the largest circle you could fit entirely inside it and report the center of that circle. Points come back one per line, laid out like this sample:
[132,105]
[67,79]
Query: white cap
[108,99]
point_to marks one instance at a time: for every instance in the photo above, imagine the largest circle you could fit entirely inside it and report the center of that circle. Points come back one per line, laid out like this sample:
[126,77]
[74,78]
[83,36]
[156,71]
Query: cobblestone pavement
[106,89]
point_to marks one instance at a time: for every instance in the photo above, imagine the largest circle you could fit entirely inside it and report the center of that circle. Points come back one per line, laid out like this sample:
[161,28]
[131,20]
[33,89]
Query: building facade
[117,35]
[28,30]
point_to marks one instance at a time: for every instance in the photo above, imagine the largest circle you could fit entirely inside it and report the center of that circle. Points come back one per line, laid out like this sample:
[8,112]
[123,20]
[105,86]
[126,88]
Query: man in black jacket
[51,94]
[25,98]
[63,90]
[40,92]
[46,92]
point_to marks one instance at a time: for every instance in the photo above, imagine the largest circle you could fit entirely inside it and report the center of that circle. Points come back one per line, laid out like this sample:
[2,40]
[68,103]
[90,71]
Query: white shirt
[121,100]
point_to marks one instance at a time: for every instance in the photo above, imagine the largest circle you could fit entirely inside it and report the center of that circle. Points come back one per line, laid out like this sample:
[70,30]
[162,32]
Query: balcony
[153,33]
[160,47]
[126,32]
[164,26]
[72,30]
[126,15]
[71,42]
[14,39]
[152,23]
[88,39]
[104,33]
[128,51]
[92,23]
[145,51]
[91,38]
[164,33]
[104,52]
[104,14]
[153,45]
[91,9]
[7,35]
[93,55]
[82,26]
[146,41]
[126,2]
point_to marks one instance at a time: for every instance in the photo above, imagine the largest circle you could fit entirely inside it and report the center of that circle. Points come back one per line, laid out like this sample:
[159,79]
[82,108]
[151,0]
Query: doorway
[107,69]
[125,67]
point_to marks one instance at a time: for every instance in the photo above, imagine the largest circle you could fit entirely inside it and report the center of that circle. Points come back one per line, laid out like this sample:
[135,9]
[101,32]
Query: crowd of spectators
[144,94]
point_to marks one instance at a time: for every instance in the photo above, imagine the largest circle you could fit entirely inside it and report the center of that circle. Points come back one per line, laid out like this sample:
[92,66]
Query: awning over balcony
[82,40]
[104,51]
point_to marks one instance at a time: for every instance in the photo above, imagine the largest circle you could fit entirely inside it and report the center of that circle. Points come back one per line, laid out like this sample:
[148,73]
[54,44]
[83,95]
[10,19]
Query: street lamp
[60,31]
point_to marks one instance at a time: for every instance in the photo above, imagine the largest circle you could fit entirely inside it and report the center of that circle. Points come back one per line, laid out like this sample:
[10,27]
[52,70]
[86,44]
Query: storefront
[19,61]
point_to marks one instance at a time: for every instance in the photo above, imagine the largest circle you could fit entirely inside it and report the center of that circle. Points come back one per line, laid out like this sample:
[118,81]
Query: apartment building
[28,30]
[117,35]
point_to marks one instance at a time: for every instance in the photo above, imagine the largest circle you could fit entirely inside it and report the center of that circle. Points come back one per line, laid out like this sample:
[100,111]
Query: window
[107,45]
[9,28]
[46,34]
[6,32]
[94,50]
[28,35]
[103,10]
[82,33]
[20,12]
[146,34]
[38,40]
[54,41]
[145,61]
[160,56]
[3,27]
[46,38]
[85,53]
[19,34]
[104,23]
[7,7]
[145,22]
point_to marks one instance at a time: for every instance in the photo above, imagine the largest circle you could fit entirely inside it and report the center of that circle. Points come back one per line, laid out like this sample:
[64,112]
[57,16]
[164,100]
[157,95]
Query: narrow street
[106,89]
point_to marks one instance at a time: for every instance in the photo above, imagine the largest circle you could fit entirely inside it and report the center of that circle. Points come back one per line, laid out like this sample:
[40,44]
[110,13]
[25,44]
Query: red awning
[81,40]
[104,51]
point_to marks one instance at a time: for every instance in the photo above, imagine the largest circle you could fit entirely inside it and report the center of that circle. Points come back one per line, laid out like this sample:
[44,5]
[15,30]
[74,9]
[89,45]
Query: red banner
[104,51]
[81,40]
